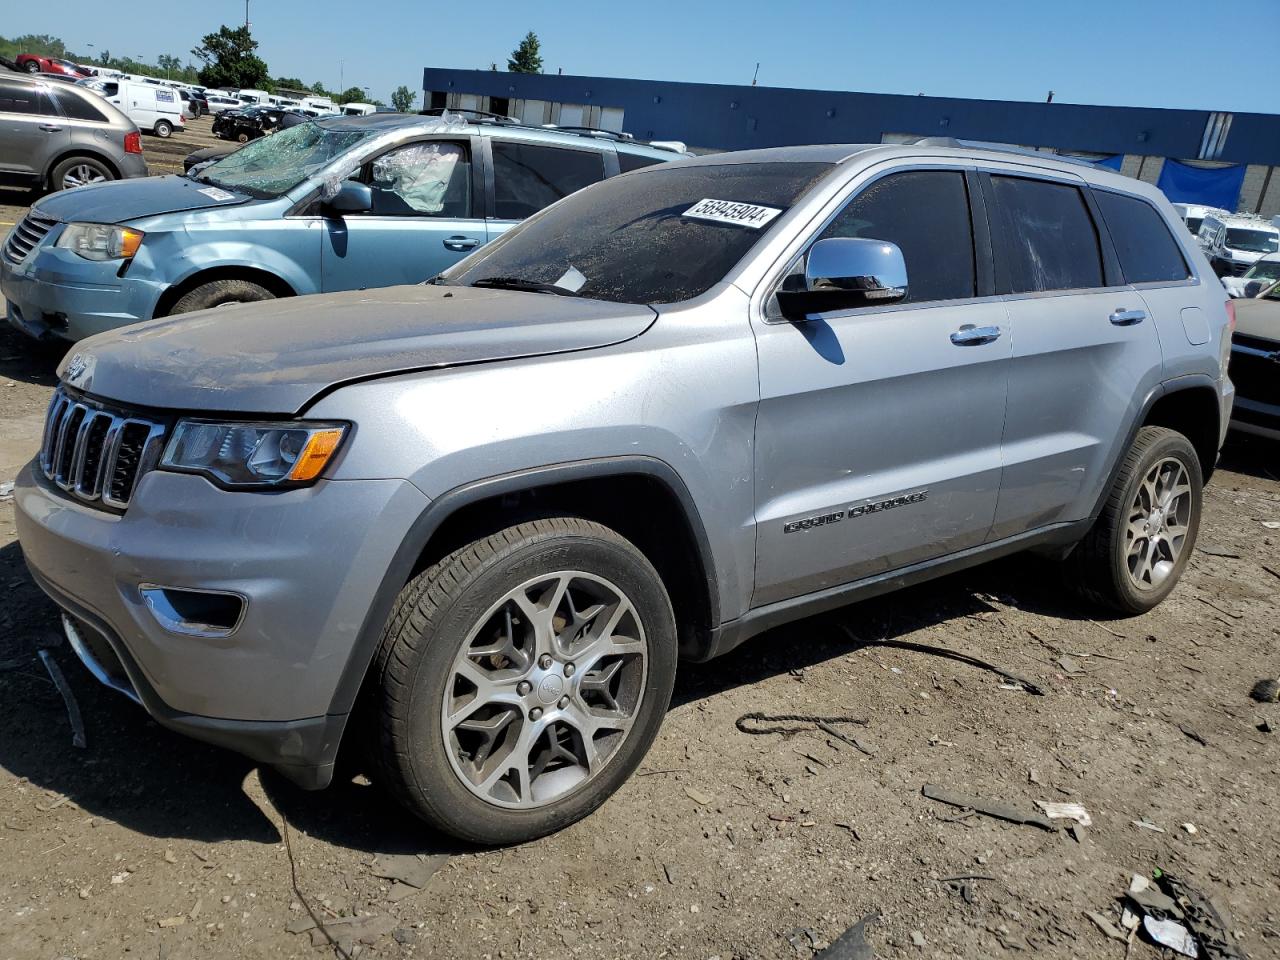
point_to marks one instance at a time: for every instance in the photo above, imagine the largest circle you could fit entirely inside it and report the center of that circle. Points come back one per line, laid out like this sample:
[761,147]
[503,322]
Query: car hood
[1256,317]
[274,357]
[118,201]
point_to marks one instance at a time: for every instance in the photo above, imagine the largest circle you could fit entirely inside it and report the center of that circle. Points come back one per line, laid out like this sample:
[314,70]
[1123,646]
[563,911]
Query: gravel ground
[724,845]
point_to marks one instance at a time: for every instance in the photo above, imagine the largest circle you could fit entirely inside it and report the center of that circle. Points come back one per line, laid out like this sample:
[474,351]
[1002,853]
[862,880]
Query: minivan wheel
[218,293]
[522,679]
[163,129]
[1137,549]
[77,171]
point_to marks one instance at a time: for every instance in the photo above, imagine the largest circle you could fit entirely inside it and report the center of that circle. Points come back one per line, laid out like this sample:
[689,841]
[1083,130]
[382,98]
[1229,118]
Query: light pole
[246,14]
[342,64]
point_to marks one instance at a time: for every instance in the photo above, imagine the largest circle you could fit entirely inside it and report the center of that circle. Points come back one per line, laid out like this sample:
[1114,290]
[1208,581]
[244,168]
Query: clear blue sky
[1156,53]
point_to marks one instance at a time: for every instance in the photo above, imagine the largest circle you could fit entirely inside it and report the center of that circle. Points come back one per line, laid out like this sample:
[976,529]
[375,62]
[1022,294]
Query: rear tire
[163,129]
[78,171]
[218,293]
[1139,546]
[486,726]
[31,66]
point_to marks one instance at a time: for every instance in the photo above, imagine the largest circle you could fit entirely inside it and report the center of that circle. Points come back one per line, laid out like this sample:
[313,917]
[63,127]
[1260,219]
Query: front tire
[522,679]
[218,293]
[1139,546]
[31,66]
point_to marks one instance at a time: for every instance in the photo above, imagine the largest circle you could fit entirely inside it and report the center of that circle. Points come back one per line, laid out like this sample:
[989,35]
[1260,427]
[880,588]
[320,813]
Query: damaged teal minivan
[343,203]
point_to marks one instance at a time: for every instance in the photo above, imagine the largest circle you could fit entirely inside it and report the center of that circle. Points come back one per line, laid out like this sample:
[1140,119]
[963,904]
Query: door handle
[460,244]
[971,336]
[50,127]
[1127,318]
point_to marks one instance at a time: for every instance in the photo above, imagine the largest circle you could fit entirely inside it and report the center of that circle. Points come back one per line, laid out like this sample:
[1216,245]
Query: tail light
[133,142]
[1231,316]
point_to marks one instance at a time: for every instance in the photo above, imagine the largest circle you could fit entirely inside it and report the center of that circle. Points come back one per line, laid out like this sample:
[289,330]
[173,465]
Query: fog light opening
[198,613]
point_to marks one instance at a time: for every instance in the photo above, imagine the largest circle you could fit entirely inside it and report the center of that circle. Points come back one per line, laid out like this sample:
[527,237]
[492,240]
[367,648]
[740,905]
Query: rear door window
[528,177]
[926,213]
[24,98]
[1050,241]
[1147,250]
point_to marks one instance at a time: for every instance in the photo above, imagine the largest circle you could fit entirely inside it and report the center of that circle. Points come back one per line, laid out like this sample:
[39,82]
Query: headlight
[253,454]
[101,241]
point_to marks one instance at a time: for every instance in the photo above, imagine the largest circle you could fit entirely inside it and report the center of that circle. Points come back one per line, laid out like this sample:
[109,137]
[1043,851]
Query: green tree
[402,99]
[169,64]
[229,60]
[526,58]
[290,83]
[352,95]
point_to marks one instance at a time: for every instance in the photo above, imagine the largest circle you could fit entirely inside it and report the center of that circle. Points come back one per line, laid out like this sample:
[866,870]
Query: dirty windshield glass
[1257,241]
[277,163]
[661,235]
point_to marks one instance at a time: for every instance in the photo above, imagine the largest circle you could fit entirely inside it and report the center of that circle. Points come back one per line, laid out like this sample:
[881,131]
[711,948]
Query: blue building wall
[740,117]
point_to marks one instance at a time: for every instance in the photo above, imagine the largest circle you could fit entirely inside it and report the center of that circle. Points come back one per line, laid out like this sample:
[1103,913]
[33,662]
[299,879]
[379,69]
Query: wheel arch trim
[441,508]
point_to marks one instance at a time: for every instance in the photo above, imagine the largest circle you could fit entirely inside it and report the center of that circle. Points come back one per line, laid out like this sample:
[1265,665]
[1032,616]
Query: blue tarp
[1111,163]
[1213,188]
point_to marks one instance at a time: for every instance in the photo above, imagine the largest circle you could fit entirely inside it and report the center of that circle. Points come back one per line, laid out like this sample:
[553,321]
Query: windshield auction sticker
[213,193]
[728,211]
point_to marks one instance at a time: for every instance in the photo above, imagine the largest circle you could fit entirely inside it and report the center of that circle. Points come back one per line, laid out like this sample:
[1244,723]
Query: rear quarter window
[528,177]
[77,107]
[634,161]
[1147,250]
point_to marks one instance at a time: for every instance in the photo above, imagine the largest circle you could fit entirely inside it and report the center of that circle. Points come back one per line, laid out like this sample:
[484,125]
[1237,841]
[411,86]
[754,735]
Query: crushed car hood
[274,357]
[1258,317]
[119,201]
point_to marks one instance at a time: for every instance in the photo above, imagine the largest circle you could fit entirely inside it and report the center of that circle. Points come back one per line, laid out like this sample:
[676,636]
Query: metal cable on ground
[822,723]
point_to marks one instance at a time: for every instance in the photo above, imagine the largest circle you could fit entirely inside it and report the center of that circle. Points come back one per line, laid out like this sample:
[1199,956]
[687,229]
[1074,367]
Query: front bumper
[55,293]
[309,563]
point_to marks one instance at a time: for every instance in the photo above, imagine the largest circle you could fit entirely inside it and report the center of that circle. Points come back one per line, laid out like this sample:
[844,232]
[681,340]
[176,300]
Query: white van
[321,105]
[1234,242]
[250,95]
[358,109]
[152,108]
[220,101]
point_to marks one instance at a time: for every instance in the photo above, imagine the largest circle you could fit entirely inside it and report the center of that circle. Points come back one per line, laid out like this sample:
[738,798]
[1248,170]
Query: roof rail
[591,132]
[481,116]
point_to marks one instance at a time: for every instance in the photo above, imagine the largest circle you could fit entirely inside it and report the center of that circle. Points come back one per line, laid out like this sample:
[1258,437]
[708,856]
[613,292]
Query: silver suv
[55,136]
[466,529]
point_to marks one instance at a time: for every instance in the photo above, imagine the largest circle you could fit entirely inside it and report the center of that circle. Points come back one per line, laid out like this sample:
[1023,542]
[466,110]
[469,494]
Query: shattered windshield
[274,165]
[659,235]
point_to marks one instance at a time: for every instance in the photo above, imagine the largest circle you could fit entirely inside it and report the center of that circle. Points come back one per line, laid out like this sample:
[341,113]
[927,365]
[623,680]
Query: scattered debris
[972,661]
[852,944]
[1271,570]
[991,809]
[1193,735]
[670,871]
[917,938]
[171,922]
[1106,926]
[1066,811]
[1266,690]
[1171,934]
[1264,726]
[1190,828]
[410,869]
[6,491]
[697,796]
[1146,824]
[1271,524]
[1216,551]
[1205,919]
[802,940]
[73,708]
[1068,665]
[825,724]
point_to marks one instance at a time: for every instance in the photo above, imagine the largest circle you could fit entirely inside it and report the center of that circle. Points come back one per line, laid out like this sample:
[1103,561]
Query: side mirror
[352,197]
[845,272]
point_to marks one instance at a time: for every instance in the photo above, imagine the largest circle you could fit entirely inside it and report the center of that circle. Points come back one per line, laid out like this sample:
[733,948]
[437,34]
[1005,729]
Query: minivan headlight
[253,454]
[101,241]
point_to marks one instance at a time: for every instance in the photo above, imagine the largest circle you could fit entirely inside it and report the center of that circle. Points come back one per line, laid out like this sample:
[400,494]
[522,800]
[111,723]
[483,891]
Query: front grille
[95,454]
[24,237]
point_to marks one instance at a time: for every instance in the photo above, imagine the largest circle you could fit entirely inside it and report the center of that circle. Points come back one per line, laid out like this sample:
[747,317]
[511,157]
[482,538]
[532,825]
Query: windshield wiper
[517,283]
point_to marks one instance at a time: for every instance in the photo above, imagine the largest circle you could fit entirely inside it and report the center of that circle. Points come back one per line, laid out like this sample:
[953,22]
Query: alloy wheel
[81,174]
[544,689]
[1158,523]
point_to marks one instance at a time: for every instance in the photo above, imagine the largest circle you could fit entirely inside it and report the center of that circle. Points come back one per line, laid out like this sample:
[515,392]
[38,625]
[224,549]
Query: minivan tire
[218,293]
[89,166]
[448,609]
[163,129]
[1102,566]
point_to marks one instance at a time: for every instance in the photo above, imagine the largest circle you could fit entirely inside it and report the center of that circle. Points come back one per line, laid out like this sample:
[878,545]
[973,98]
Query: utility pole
[341,69]
[756,74]
[246,14]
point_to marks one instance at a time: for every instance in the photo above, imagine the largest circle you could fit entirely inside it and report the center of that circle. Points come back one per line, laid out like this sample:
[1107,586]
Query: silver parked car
[487,515]
[57,135]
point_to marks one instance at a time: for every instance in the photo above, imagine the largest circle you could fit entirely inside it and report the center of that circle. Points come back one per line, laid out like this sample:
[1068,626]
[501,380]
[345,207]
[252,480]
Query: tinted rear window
[630,239]
[77,107]
[634,161]
[1050,240]
[528,177]
[1148,253]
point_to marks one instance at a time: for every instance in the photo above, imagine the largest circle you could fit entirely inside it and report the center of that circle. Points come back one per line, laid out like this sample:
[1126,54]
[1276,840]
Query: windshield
[274,165]
[1255,241]
[1264,270]
[660,235]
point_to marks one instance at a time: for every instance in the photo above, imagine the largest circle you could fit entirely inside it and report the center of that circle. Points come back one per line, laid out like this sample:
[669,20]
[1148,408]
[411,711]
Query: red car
[34,63]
